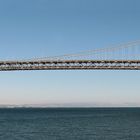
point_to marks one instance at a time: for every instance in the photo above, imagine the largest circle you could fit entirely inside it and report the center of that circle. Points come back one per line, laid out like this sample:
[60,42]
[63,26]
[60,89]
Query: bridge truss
[121,57]
[71,65]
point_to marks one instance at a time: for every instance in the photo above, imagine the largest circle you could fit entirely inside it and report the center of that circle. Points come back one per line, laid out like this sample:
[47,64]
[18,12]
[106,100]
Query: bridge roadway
[70,65]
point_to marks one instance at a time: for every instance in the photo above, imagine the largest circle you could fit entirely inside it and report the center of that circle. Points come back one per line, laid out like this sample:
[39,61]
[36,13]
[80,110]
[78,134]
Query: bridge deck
[70,65]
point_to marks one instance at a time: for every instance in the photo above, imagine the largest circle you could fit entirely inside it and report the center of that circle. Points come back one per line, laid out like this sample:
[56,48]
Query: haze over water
[42,28]
[36,29]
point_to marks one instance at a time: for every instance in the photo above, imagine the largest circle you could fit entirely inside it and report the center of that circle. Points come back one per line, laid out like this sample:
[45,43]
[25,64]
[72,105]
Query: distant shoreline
[39,107]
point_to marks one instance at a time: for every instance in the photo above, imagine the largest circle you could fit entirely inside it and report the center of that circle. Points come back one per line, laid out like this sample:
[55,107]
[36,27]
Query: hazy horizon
[36,29]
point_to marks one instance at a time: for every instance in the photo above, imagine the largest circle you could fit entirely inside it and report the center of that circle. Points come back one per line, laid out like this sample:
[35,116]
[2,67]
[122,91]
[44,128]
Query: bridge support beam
[70,65]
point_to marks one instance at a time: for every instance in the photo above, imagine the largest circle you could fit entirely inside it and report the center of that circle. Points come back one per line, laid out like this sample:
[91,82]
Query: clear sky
[38,28]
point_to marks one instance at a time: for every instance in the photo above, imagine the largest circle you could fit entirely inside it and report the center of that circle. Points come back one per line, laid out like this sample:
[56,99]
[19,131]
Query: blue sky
[40,28]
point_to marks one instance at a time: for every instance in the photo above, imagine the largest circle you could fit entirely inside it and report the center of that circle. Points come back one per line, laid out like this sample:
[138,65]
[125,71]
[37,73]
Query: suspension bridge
[119,57]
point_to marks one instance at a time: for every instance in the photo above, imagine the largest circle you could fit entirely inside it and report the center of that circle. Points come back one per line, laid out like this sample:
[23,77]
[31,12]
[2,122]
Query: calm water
[70,124]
